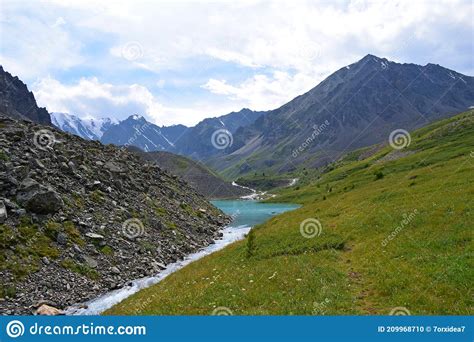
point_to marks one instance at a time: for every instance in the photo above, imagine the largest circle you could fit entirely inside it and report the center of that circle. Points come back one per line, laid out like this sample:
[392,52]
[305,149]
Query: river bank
[245,214]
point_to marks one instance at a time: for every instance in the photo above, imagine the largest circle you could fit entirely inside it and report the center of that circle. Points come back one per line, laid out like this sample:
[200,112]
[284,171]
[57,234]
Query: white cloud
[262,92]
[91,98]
[285,47]
[59,21]
[231,56]
[300,35]
[36,45]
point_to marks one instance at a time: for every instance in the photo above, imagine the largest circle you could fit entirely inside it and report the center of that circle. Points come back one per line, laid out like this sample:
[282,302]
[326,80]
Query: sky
[182,61]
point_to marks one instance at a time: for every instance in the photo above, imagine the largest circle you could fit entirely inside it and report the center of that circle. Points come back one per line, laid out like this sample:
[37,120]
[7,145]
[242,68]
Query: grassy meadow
[392,230]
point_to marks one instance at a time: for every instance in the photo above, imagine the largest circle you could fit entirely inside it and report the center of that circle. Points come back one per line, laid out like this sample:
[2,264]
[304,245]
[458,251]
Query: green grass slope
[396,231]
[200,177]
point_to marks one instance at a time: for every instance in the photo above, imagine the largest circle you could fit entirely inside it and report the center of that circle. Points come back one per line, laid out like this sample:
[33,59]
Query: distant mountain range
[199,142]
[358,105]
[137,131]
[89,129]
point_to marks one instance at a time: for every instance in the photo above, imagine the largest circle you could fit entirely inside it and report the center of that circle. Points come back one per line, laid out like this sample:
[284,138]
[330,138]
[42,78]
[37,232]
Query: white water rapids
[98,305]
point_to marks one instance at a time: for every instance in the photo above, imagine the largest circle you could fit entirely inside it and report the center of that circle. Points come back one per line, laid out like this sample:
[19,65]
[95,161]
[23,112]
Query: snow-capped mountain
[137,131]
[99,126]
[87,128]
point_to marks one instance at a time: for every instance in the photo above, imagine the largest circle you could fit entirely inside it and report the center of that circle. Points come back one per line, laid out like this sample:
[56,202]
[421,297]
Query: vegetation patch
[3,156]
[80,268]
[97,196]
[22,248]
[107,250]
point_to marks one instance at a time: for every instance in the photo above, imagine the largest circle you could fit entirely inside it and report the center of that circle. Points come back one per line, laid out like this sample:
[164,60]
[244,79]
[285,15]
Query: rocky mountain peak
[17,102]
[359,105]
[136,117]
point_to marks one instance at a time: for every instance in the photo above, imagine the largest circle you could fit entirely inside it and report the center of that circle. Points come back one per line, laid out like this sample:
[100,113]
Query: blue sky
[181,61]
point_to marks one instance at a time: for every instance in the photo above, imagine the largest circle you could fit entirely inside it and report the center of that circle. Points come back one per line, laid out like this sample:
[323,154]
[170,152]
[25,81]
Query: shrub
[97,196]
[3,156]
[107,250]
[250,245]
[7,291]
[378,175]
[80,268]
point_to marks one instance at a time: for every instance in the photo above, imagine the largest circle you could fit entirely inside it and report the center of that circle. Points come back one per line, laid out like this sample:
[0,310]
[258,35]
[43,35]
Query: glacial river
[245,213]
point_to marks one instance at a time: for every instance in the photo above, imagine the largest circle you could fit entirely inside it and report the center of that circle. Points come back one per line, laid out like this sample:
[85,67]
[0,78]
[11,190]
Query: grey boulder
[37,198]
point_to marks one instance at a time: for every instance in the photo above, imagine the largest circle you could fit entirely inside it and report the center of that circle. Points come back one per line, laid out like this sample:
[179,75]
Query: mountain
[206,182]
[99,126]
[195,142]
[89,129]
[358,105]
[17,102]
[377,234]
[79,218]
[201,141]
[233,120]
[173,133]
[137,131]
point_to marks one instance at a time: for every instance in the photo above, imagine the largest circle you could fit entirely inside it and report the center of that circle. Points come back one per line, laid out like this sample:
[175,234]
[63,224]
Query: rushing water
[246,214]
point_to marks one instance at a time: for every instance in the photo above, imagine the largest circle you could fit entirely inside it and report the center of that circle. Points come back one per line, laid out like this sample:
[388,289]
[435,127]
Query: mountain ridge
[362,103]
[358,105]
[137,131]
[201,178]
[86,128]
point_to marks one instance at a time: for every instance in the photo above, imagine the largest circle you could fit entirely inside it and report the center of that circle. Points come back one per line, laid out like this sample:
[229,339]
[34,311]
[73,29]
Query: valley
[353,198]
[373,234]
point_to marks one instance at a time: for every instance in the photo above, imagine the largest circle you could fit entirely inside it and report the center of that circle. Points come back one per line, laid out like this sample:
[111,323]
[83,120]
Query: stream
[245,214]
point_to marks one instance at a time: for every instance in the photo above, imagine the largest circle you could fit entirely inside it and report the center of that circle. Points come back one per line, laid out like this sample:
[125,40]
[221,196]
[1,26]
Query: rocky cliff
[78,218]
[17,102]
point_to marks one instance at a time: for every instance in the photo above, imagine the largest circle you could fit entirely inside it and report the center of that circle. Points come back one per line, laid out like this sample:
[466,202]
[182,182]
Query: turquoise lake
[250,213]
